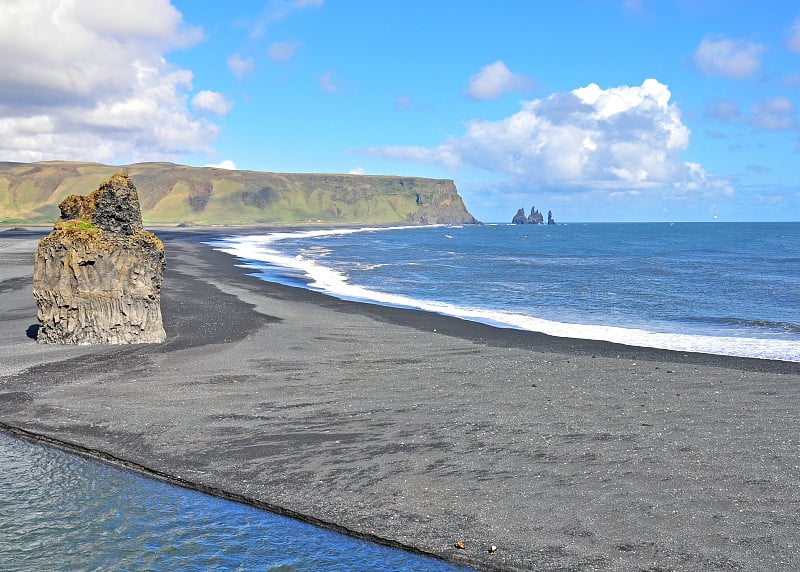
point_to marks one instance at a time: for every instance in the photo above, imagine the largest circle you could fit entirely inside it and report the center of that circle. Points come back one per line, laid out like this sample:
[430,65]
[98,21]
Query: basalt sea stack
[97,276]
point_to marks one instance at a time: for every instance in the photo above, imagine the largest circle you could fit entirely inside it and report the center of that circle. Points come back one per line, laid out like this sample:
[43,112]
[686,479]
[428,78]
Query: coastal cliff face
[97,276]
[176,194]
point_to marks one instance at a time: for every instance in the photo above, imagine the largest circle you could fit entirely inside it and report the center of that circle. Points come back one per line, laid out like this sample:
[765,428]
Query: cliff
[97,276]
[173,194]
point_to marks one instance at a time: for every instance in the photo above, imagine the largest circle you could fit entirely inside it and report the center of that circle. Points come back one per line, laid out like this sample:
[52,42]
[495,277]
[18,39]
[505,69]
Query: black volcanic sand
[423,430]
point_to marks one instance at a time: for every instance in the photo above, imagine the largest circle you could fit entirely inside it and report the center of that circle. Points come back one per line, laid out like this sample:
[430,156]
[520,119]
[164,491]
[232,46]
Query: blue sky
[599,110]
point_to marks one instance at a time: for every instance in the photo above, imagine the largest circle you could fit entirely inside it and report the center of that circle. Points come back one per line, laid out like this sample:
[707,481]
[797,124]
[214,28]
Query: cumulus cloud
[621,138]
[734,59]
[212,102]
[357,171]
[240,66]
[226,164]
[99,88]
[773,114]
[496,79]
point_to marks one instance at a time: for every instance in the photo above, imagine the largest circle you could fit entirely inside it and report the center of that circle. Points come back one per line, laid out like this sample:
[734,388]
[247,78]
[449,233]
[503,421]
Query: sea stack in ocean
[97,276]
[535,217]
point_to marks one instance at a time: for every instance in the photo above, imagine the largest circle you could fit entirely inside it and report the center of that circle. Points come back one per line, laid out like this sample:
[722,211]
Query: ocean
[718,288]
[61,511]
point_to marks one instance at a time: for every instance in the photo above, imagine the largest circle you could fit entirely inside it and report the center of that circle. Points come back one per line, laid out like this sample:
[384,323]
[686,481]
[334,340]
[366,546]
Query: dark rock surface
[97,276]
[520,217]
[535,217]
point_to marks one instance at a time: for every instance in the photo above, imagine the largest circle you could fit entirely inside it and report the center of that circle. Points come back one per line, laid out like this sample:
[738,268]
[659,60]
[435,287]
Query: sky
[599,110]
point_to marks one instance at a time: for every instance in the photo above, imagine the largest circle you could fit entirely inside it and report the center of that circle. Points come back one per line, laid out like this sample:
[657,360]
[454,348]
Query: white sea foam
[258,248]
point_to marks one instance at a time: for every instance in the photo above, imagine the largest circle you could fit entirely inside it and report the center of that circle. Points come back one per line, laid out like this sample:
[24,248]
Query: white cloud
[496,79]
[328,85]
[775,114]
[226,164]
[282,52]
[793,44]
[212,102]
[735,59]
[357,171]
[240,66]
[621,138]
[99,87]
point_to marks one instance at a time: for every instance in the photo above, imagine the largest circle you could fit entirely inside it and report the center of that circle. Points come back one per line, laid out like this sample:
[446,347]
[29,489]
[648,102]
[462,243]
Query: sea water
[60,511]
[720,288]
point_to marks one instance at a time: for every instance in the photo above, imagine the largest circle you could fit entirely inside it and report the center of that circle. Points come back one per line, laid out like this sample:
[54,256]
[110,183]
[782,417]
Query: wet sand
[422,430]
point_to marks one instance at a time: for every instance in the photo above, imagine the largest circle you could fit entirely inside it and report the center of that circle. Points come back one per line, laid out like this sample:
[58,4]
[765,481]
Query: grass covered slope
[170,194]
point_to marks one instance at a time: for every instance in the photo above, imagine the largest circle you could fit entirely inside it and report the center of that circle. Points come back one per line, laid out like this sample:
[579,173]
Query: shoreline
[424,429]
[679,338]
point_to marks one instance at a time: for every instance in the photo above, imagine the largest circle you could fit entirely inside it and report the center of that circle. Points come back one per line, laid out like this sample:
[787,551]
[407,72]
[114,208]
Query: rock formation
[97,276]
[534,218]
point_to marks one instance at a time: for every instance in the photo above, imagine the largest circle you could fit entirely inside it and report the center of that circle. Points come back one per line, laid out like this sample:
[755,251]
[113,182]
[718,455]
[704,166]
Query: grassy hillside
[174,194]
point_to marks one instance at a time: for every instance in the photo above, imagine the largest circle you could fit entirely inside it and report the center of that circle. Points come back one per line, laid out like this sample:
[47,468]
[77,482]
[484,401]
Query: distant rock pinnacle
[535,217]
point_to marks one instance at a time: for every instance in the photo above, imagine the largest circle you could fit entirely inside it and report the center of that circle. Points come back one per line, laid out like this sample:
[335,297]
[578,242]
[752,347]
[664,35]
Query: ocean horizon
[717,288]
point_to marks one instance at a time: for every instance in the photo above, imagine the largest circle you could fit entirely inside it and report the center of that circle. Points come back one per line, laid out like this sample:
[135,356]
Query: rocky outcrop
[534,218]
[97,276]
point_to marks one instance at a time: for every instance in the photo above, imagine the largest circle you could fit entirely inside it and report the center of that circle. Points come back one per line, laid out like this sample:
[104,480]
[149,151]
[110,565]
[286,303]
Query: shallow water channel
[61,511]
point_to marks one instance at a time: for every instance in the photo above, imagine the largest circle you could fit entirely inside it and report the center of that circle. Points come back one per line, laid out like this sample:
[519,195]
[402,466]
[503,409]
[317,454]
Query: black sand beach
[423,430]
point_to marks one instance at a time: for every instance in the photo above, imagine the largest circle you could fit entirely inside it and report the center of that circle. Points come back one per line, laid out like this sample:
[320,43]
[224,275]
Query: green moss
[78,229]
[75,225]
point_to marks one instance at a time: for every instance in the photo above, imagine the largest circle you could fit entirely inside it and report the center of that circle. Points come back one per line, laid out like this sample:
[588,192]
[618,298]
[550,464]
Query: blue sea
[718,288]
[60,511]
